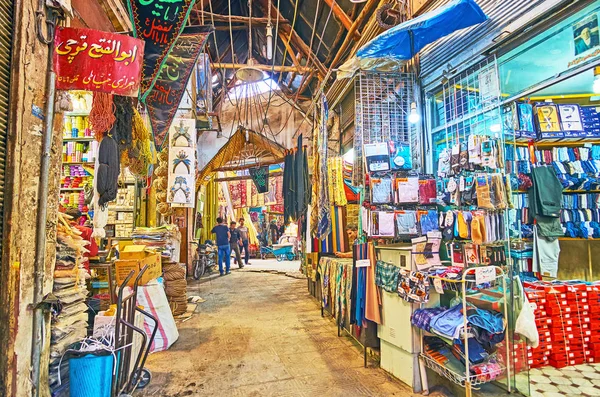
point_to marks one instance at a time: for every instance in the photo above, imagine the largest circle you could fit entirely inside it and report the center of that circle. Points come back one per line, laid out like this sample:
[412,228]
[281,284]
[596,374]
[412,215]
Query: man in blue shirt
[223,236]
[235,241]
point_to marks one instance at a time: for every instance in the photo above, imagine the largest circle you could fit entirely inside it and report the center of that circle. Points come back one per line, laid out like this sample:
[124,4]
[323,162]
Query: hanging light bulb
[269,41]
[414,117]
[269,34]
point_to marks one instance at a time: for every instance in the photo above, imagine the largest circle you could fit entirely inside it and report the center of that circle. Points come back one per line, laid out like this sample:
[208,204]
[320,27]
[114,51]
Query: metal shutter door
[460,46]
[6,33]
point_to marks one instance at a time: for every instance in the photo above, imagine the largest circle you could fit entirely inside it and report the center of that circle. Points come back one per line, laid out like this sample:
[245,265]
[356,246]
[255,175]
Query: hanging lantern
[269,41]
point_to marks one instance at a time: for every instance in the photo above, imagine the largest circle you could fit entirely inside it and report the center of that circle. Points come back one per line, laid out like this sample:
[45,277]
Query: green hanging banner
[260,177]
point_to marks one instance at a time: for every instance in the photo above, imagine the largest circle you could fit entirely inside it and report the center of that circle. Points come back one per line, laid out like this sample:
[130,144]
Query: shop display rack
[455,377]
[466,379]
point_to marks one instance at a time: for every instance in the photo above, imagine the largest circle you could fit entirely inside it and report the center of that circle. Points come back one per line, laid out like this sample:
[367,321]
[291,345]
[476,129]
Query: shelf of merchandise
[77,162]
[542,144]
[467,380]
[69,189]
[564,191]
[78,139]
[459,379]
[78,113]
[120,209]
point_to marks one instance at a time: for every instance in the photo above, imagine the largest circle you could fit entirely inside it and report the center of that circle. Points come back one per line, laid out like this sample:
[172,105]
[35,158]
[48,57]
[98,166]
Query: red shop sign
[92,60]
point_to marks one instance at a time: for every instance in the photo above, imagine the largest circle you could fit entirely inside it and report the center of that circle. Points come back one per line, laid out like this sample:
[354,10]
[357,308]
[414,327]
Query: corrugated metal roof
[501,14]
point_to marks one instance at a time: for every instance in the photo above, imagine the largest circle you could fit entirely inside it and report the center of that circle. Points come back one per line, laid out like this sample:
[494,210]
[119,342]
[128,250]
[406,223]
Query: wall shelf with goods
[80,149]
[121,212]
[79,153]
[559,127]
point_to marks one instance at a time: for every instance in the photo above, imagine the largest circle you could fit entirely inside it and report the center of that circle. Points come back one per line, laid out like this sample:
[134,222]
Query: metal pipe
[42,204]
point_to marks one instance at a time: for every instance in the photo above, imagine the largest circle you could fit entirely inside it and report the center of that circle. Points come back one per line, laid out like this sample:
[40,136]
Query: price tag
[437,283]
[363,263]
[485,274]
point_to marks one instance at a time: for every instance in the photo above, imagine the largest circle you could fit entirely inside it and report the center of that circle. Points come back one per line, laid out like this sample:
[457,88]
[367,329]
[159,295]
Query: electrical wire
[298,91]
[289,39]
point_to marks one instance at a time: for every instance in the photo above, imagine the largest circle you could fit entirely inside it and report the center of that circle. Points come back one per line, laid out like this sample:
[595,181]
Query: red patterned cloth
[279,191]
[235,193]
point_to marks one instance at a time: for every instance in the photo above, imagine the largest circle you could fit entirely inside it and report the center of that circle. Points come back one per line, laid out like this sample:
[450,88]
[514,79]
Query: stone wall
[24,153]
[28,83]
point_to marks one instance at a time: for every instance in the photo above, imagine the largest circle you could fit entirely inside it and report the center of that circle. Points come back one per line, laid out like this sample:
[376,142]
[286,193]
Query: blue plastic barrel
[91,375]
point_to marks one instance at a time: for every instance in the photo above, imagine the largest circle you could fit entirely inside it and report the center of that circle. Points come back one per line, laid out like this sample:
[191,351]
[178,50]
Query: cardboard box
[124,266]
[135,252]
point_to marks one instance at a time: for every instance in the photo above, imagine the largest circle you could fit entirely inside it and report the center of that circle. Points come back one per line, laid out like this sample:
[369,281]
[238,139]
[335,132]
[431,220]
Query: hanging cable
[321,38]
[231,34]
[298,90]
[312,35]
[274,55]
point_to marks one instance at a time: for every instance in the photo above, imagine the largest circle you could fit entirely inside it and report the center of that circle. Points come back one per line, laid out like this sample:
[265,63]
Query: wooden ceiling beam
[245,177]
[290,50]
[344,19]
[339,37]
[366,11]
[292,36]
[209,17]
[266,68]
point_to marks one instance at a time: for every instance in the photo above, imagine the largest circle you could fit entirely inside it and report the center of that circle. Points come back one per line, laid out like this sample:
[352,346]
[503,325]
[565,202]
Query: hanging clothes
[372,299]
[302,181]
[108,170]
[324,224]
[335,181]
[289,183]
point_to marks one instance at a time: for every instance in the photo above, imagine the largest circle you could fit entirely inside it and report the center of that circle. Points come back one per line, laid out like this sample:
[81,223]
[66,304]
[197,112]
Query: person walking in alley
[243,229]
[235,241]
[223,236]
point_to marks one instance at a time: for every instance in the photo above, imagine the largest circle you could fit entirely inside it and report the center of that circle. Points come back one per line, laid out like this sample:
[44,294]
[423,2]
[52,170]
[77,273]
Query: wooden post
[343,18]
[363,14]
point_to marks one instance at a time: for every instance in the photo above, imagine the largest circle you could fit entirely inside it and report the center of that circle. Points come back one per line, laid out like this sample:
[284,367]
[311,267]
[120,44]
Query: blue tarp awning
[404,41]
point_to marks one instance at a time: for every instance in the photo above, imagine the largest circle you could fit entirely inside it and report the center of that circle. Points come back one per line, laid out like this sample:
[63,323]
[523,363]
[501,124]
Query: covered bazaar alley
[299,198]
[262,334]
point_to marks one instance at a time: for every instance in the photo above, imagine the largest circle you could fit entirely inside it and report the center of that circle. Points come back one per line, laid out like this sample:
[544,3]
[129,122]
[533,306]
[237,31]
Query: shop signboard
[92,60]
[182,163]
[164,98]
[158,23]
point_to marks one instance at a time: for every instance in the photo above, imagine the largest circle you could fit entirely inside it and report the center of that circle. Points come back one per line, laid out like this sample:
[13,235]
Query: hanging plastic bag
[525,325]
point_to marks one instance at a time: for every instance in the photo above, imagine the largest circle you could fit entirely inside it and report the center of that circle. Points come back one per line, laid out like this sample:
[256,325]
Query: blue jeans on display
[245,246]
[224,255]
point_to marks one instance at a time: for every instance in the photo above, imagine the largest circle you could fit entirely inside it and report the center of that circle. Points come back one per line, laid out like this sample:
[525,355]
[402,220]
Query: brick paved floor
[261,334]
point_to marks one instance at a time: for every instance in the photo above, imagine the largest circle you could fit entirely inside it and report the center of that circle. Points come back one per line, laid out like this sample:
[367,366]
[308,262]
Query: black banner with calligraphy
[164,98]
[158,23]
[260,177]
